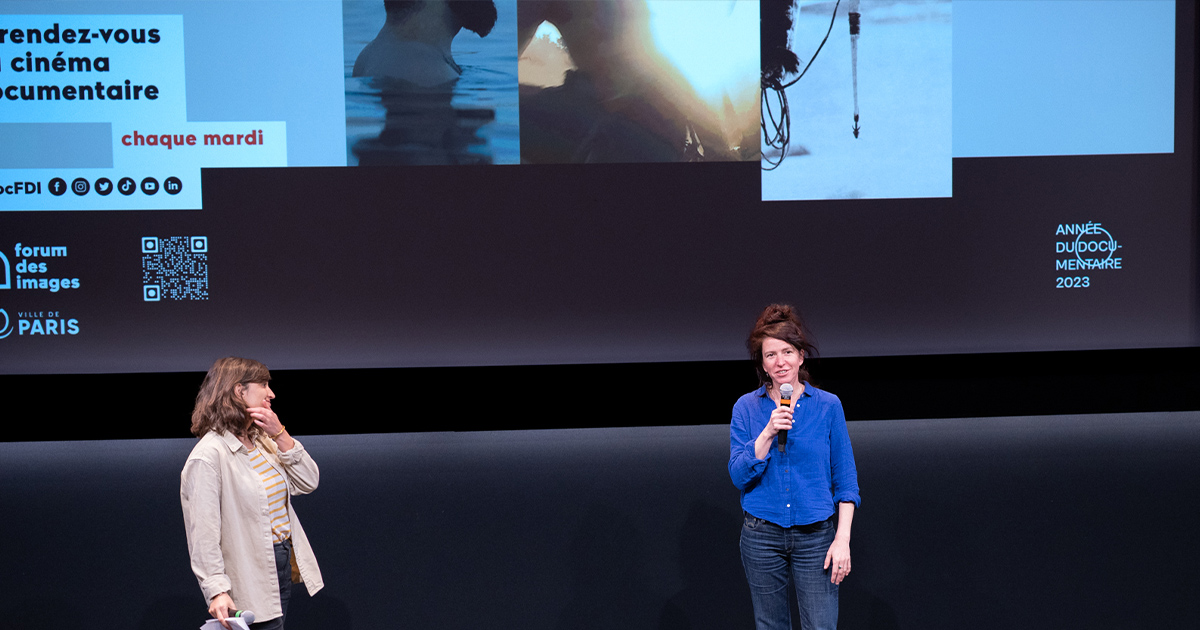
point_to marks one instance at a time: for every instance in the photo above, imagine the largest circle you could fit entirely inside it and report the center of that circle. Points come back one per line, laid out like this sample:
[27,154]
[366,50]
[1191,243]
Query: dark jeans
[773,556]
[283,566]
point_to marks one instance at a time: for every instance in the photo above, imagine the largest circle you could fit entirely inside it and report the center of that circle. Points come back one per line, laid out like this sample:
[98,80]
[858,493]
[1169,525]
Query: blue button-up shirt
[803,484]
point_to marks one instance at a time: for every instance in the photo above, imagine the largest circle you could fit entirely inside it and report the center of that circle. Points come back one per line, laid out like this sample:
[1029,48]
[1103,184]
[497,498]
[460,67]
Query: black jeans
[283,566]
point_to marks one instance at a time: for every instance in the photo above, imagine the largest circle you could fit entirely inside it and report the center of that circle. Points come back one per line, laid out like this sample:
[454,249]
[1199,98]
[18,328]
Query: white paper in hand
[236,623]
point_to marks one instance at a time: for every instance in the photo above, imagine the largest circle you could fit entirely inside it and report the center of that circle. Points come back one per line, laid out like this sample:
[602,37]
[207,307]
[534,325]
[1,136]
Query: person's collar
[762,390]
[231,441]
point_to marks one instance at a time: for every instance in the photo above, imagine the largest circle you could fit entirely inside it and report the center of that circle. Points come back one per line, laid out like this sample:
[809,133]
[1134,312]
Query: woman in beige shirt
[244,539]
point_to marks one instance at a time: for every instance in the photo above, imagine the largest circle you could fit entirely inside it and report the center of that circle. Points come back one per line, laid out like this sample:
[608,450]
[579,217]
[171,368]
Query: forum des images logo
[18,276]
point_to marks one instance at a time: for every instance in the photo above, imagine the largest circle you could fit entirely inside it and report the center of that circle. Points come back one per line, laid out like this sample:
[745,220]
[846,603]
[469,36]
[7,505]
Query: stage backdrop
[1031,522]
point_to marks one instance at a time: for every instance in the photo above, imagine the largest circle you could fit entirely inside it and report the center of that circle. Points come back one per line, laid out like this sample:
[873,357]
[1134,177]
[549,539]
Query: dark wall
[157,405]
[1036,522]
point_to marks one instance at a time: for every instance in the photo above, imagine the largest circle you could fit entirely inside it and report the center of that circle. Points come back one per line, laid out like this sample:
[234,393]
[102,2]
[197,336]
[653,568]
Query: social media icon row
[104,186]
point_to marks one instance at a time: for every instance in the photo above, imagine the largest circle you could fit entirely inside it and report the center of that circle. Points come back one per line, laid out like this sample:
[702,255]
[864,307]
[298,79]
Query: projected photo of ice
[430,81]
[856,99]
[638,80]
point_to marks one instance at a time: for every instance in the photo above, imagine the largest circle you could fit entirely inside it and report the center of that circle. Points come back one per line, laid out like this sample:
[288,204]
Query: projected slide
[323,184]
[450,98]
[1086,77]
[899,88]
[871,116]
[119,105]
[606,81]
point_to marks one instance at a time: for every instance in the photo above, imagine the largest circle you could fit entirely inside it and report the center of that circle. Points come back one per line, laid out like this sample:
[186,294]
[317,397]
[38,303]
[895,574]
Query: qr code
[174,268]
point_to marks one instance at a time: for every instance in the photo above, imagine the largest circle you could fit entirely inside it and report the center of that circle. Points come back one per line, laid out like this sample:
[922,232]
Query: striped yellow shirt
[277,495]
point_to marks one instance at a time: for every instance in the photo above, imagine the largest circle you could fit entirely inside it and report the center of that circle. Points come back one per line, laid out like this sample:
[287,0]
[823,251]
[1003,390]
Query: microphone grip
[782,441]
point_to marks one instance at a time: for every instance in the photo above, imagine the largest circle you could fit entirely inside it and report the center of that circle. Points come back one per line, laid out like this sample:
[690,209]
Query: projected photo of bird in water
[638,80]
[430,81]
[856,99]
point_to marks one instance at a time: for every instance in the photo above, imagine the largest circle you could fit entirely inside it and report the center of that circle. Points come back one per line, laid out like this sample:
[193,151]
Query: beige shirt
[228,523]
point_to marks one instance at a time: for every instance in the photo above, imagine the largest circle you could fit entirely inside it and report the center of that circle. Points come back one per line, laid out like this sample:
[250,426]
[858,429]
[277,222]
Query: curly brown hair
[219,405]
[782,322]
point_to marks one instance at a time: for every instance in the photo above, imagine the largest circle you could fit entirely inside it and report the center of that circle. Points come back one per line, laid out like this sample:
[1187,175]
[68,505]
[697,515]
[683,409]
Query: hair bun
[776,313]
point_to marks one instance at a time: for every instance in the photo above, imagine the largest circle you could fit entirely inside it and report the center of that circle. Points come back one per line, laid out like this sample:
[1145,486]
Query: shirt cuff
[292,455]
[214,585]
[848,497]
[756,466]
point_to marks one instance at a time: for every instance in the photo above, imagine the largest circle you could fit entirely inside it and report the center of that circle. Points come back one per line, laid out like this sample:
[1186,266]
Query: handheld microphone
[785,399]
[238,620]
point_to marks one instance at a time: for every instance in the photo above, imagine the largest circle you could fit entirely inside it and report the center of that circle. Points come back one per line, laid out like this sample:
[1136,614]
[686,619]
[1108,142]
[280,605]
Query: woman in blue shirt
[795,469]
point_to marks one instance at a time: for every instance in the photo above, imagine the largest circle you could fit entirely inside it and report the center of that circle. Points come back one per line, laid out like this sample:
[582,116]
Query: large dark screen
[1054,207]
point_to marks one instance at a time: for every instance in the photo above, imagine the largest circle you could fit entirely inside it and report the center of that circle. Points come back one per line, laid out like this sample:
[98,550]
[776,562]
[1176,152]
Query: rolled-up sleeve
[200,494]
[303,474]
[841,460]
[744,468]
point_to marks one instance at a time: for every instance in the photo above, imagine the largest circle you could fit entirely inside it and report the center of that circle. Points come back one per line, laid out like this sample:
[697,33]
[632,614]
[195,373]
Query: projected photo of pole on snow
[863,108]
[638,81]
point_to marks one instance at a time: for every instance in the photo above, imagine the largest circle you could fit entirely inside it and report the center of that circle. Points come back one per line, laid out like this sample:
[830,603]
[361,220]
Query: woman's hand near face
[265,419]
[270,424]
